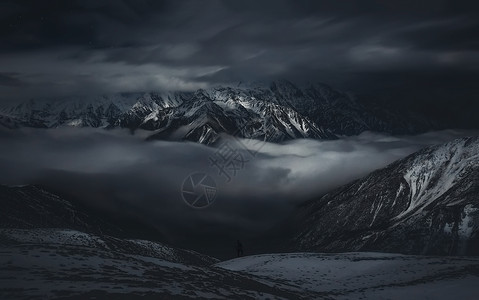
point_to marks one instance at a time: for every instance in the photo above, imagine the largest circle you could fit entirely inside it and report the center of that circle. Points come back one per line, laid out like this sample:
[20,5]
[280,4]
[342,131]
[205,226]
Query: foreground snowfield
[67,264]
[366,275]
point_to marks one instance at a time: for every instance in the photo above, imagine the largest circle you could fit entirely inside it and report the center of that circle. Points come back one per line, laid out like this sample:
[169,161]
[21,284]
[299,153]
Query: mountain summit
[277,111]
[425,203]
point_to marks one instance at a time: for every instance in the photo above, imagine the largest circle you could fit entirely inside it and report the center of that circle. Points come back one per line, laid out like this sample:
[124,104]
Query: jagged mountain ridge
[426,203]
[278,111]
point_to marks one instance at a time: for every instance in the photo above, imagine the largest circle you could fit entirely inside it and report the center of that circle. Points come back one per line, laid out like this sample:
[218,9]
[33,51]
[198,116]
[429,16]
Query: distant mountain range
[277,111]
[426,203]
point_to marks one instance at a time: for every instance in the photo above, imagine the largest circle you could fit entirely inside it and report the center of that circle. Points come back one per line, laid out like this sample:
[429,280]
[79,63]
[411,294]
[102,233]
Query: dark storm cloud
[121,173]
[10,79]
[61,47]
[457,34]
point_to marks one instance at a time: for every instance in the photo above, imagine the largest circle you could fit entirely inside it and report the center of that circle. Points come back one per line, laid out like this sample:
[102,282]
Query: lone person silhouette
[239,248]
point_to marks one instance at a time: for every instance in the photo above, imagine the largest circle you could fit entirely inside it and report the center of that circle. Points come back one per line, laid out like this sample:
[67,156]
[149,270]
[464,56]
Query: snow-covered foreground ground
[67,264]
[366,275]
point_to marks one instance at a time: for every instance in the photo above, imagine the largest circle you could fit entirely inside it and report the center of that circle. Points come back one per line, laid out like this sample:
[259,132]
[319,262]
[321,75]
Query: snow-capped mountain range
[277,111]
[426,203]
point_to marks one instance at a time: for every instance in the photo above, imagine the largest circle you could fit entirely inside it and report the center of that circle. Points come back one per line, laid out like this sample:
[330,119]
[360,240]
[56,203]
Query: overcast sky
[50,48]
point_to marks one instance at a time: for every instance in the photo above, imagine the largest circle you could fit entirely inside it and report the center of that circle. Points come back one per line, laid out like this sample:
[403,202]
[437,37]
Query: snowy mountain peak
[439,169]
[424,203]
[314,111]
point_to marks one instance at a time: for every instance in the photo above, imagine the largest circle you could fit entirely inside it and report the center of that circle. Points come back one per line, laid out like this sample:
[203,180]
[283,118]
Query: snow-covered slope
[425,203]
[364,275]
[34,207]
[276,112]
[71,271]
[72,265]
[50,248]
[64,238]
[32,215]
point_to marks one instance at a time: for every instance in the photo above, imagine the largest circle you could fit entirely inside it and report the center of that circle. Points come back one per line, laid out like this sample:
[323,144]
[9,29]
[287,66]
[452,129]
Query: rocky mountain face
[274,112]
[426,203]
